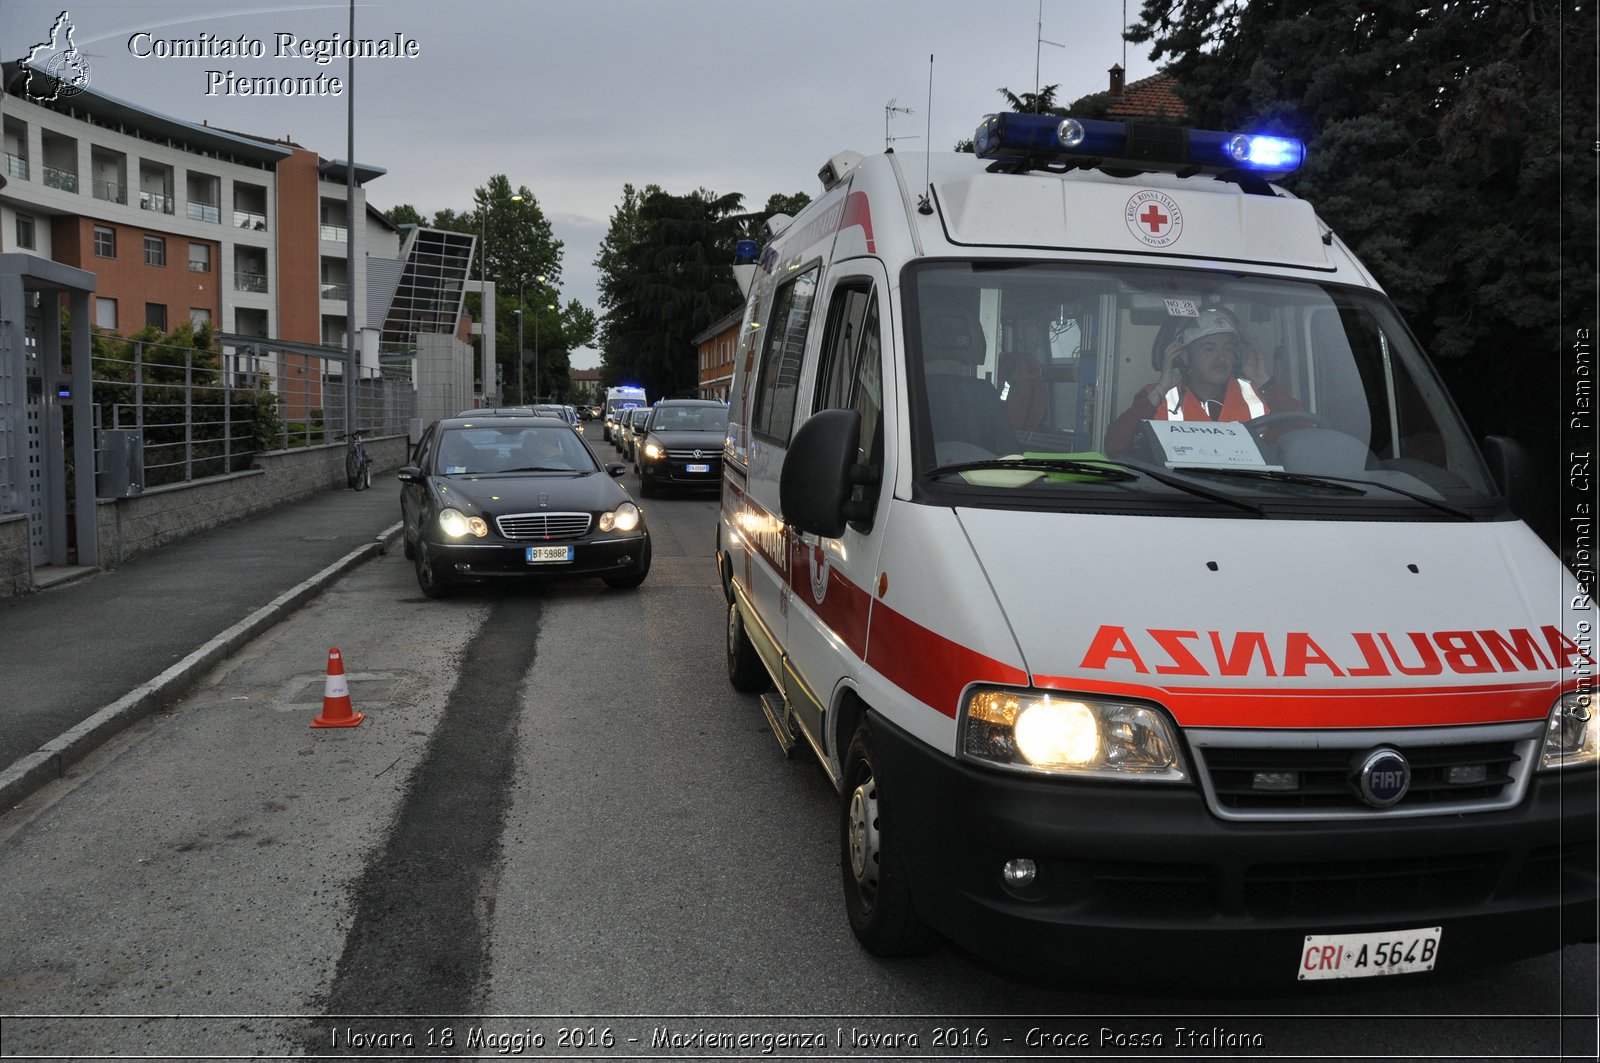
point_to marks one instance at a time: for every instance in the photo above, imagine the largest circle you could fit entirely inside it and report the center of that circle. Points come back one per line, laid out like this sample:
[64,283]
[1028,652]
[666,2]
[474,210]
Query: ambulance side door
[773,412]
[831,580]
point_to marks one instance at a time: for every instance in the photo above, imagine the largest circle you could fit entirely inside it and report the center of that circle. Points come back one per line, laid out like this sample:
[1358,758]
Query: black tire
[647,488]
[876,894]
[746,673]
[433,583]
[635,576]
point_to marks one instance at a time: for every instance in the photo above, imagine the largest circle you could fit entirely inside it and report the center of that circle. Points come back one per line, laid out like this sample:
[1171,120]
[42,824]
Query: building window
[155,251]
[105,241]
[105,313]
[199,316]
[199,258]
[25,231]
[156,314]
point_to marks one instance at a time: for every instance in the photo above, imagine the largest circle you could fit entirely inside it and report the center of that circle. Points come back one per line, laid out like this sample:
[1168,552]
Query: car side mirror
[616,468]
[817,478]
[409,474]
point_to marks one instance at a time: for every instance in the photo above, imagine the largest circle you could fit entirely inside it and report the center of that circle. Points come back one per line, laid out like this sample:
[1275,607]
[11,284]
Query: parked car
[498,411]
[681,445]
[632,424]
[516,497]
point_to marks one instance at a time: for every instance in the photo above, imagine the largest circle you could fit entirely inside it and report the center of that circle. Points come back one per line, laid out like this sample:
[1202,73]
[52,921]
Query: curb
[22,777]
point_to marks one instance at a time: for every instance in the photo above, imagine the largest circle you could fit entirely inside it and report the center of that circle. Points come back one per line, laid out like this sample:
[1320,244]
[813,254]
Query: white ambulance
[1093,517]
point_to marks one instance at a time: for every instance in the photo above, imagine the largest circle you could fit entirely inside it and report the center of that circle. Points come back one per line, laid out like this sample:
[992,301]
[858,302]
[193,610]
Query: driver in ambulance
[1210,372]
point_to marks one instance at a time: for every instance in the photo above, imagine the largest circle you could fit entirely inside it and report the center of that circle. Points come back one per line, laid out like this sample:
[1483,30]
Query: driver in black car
[1210,372]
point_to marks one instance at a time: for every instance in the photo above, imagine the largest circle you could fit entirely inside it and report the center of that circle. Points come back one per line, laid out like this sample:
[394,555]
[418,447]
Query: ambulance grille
[1444,778]
[1389,886]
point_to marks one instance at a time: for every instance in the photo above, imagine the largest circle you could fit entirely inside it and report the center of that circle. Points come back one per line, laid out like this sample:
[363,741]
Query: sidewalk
[84,659]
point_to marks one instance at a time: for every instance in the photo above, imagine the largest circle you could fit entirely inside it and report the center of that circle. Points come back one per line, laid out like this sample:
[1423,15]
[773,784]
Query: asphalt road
[559,828]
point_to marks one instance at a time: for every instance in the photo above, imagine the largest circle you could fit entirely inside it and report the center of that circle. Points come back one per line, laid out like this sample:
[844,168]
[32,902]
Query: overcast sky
[575,98]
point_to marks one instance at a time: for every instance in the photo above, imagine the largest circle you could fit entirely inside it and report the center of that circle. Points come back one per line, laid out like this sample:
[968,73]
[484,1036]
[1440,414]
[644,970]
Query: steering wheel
[1258,425]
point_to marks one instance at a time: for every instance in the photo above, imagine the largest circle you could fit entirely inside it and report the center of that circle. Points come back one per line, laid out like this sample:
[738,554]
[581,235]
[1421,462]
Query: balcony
[157,202]
[16,166]
[249,219]
[65,180]
[336,233]
[336,291]
[204,212]
[110,191]
[250,282]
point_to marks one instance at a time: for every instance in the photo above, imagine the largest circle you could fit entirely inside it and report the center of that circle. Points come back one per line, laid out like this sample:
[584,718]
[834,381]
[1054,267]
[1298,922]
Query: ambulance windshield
[1033,381]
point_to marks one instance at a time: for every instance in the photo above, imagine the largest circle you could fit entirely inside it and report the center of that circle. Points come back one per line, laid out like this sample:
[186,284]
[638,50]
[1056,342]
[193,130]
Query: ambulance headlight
[1060,734]
[1571,739]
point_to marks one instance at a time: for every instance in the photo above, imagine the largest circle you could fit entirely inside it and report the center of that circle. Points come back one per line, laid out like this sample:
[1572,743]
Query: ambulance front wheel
[746,673]
[876,895]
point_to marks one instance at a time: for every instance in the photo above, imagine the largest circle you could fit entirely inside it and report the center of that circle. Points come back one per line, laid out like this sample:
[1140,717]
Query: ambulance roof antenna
[1038,39]
[925,203]
[888,109]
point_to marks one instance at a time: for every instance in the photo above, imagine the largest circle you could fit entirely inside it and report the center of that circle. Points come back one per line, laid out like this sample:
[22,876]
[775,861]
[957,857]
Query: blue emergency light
[1030,139]
[746,252]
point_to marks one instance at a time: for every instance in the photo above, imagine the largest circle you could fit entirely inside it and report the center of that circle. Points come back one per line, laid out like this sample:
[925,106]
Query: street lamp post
[551,306]
[520,359]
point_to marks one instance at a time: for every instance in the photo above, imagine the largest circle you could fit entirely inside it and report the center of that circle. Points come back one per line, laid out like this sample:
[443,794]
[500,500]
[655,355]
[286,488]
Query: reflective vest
[1239,403]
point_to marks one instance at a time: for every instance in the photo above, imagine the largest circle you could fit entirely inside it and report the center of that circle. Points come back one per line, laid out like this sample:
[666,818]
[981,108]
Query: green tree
[1450,144]
[1041,102]
[518,245]
[618,312]
[404,214]
[673,278]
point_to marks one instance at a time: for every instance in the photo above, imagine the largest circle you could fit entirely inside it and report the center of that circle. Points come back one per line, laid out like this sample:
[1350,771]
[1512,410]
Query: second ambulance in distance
[1093,517]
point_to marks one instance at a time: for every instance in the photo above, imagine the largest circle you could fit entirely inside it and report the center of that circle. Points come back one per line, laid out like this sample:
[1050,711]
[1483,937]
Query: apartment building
[179,220]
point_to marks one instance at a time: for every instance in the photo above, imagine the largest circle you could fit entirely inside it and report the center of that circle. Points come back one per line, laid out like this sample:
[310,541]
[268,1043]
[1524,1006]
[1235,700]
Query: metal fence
[192,413]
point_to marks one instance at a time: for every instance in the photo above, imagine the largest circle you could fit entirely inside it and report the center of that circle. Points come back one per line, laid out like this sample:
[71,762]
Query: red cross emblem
[1153,217]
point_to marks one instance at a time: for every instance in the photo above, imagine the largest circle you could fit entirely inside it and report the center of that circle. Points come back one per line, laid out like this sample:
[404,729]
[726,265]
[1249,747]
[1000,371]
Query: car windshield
[690,419]
[488,449]
[1205,387]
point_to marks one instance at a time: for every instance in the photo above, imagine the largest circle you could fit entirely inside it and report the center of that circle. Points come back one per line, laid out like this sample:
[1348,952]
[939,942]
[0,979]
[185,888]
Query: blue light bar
[1134,146]
[746,252]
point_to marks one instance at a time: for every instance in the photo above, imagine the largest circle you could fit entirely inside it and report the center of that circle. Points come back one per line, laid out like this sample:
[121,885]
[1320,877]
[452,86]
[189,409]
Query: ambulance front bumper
[1143,879]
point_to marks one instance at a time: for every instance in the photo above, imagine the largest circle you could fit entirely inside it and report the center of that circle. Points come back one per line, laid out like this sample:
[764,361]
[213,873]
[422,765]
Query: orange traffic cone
[336,708]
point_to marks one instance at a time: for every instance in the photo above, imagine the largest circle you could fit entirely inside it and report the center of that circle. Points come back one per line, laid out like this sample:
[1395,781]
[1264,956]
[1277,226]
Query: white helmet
[1211,321]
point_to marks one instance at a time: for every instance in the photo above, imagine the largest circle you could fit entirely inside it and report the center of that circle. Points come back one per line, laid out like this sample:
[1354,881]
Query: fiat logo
[1383,778]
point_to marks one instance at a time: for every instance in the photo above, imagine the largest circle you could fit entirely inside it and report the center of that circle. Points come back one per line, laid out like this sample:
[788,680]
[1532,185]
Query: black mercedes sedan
[490,498]
[681,445]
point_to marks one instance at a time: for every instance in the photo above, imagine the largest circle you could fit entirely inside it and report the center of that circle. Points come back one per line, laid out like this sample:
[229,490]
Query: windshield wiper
[1103,469]
[538,468]
[1088,468]
[1347,484]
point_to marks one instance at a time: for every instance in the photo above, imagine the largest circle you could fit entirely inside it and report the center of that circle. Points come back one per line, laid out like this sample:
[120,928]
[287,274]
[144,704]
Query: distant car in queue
[632,425]
[681,445]
[494,498]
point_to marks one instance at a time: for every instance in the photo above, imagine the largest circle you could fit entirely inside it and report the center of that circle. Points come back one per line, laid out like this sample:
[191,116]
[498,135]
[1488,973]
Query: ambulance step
[776,710]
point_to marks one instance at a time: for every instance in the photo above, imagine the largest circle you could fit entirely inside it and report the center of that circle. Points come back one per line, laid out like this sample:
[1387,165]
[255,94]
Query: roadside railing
[191,413]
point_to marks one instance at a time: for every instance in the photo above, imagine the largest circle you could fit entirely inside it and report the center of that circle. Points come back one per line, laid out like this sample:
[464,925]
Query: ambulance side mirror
[1512,470]
[814,487]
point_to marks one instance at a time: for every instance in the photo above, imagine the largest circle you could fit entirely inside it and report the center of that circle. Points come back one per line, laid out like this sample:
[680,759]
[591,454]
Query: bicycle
[357,465]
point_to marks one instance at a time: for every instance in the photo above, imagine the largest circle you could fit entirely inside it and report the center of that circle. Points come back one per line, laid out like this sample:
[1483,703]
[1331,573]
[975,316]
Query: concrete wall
[161,515]
[16,568]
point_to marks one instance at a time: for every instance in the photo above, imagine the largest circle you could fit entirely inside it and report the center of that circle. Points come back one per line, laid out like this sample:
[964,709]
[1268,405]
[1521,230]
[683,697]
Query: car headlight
[458,525]
[624,518]
[653,451]
[1570,738]
[1060,734]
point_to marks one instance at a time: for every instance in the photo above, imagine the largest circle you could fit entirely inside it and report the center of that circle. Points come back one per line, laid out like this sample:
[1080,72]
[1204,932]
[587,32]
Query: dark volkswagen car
[681,445]
[490,498]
